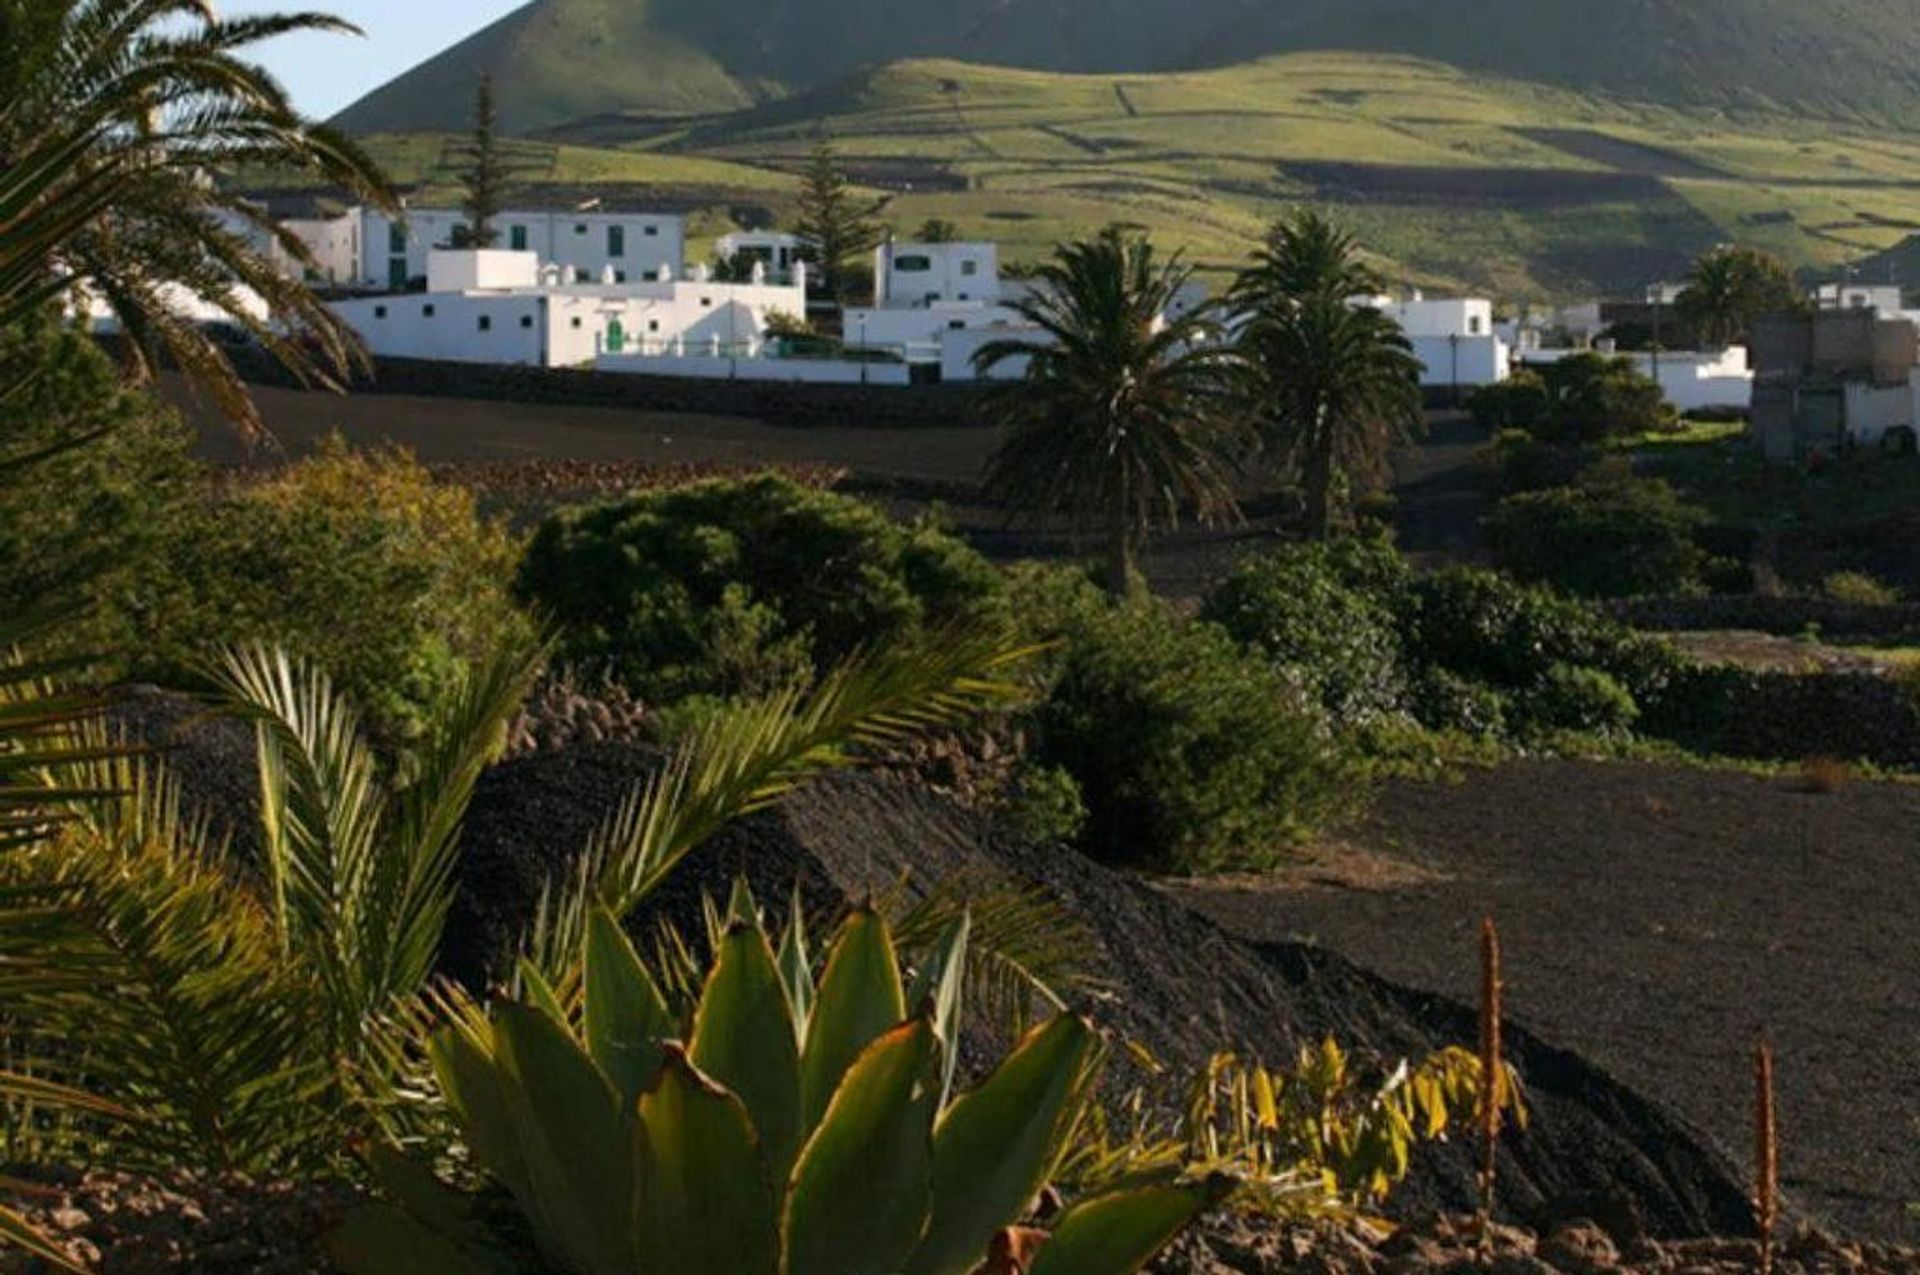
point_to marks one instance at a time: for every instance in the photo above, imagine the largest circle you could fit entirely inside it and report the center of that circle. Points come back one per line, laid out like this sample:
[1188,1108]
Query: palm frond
[751,755]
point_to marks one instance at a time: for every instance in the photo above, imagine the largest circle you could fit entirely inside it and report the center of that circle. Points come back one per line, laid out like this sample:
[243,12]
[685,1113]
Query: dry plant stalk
[1493,1075]
[1766,1154]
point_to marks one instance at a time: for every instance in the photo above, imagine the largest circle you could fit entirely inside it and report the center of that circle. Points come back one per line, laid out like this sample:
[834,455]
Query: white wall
[500,328]
[958,348]
[1465,361]
[795,371]
[1872,410]
[1691,380]
[778,249]
[915,274]
[634,244]
[470,270]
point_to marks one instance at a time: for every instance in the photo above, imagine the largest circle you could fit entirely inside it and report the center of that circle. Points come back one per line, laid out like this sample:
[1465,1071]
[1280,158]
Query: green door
[518,238]
[397,273]
[616,337]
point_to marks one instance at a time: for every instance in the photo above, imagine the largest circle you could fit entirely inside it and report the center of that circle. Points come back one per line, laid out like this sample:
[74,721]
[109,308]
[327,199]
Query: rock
[1580,1248]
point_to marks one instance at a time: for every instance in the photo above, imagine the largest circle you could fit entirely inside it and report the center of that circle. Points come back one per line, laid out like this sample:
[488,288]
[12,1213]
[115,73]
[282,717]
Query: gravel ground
[1656,918]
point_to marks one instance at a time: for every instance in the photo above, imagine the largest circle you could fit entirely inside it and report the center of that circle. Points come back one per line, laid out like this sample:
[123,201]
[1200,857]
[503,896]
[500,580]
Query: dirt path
[1654,919]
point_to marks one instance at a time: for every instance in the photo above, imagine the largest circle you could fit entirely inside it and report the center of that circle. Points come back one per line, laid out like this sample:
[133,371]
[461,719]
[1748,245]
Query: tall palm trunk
[1318,477]
[1120,568]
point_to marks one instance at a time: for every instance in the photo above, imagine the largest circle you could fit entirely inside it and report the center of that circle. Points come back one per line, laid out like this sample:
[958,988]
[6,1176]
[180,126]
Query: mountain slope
[562,60]
[551,62]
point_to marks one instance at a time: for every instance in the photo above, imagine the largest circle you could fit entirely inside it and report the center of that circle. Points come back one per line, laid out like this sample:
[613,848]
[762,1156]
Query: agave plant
[797,1123]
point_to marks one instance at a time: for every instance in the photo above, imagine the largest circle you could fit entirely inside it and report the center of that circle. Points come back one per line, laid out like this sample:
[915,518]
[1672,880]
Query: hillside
[561,60]
[1455,179]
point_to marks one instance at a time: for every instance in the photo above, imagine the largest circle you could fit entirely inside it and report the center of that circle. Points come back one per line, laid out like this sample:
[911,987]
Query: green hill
[566,60]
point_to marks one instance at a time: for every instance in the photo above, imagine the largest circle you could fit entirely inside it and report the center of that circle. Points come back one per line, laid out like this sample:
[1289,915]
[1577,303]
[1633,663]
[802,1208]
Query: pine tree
[836,222]
[483,174]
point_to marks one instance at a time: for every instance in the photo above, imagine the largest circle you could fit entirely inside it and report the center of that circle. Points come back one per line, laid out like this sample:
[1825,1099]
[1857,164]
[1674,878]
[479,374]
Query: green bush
[1192,755]
[1324,611]
[737,587]
[1523,463]
[75,526]
[1576,698]
[1583,398]
[1486,629]
[1519,402]
[357,560]
[1044,806]
[1603,538]
[1857,588]
[1445,701]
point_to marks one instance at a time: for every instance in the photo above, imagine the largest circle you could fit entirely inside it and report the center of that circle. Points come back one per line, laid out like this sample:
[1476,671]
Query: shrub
[1518,403]
[357,560]
[75,526]
[1603,538]
[1044,806]
[1323,610]
[1856,588]
[1578,698]
[1192,754]
[736,587]
[1486,629]
[1445,701]
[1523,463]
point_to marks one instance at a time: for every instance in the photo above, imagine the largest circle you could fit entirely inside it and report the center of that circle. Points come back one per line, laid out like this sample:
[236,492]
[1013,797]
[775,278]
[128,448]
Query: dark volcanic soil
[1178,984]
[1654,918]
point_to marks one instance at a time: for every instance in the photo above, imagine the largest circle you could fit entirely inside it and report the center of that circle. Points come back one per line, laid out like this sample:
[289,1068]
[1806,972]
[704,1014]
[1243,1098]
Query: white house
[938,303]
[1692,380]
[1453,337]
[777,250]
[393,252]
[505,307]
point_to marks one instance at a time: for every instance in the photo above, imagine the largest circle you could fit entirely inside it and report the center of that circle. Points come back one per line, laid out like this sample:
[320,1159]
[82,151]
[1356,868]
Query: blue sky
[326,73]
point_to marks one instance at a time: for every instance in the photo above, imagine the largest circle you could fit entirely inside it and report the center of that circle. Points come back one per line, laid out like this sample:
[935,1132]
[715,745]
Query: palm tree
[1125,414]
[1729,288]
[159,105]
[1338,381]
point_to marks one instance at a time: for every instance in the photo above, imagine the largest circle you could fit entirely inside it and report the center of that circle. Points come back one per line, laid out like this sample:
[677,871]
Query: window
[576,325]
[913,264]
[517,238]
[486,323]
[426,312]
[379,312]
[396,238]
[526,321]
[1473,325]
[956,325]
[706,302]
[580,228]
[969,267]
[653,325]
[652,232]
[619,276]
[965,297]
[616,241]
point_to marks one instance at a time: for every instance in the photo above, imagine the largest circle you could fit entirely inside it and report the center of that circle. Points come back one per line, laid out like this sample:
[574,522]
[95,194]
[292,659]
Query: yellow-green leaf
[993,1149]
[575,1141]
[472,1083]
[859,998]
[857,1203]
[1118,1233]
[626,1019]
[743,1039]
[703,1202]
[378,1239]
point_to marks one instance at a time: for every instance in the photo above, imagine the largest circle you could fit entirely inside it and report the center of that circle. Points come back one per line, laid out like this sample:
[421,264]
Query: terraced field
[1455,179]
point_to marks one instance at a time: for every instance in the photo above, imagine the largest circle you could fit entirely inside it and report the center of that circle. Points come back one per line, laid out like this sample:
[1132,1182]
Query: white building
[1692,380]
[1453,337]
[393,252]
[1884,300]
[938,303]
[505,307]
[777,250]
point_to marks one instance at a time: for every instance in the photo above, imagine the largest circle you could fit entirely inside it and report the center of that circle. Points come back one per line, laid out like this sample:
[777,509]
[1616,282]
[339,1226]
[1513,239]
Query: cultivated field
[1456,179]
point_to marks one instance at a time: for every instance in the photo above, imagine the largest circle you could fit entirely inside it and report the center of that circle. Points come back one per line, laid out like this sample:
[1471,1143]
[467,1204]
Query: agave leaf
[743,1038]
[574,1139]
[423,1197]
[378,1239]
[993,1150]
[626,1016]
[741,908]
[857,1203]
[940,982]
[704,1204]
[859,998]
[540,993]
[796,968]
[1119,1233]
[464,1065]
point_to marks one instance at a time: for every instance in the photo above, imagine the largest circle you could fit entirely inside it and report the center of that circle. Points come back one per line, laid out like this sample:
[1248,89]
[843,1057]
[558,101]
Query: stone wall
[1787,616]
[1779,716]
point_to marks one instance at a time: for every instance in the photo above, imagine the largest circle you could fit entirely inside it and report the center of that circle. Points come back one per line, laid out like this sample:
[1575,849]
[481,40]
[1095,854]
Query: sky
[325,73]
